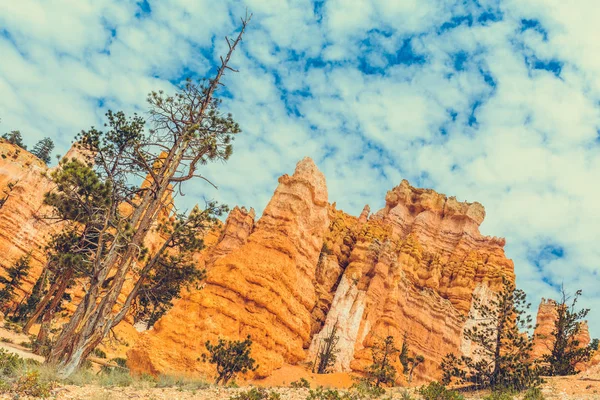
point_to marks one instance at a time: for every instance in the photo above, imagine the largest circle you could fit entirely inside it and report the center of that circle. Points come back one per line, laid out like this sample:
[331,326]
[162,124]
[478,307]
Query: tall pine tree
[502,347]
[43,150]
[566,350]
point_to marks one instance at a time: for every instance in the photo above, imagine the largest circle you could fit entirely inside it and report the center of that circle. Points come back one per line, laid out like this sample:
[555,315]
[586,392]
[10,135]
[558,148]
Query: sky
[489,101]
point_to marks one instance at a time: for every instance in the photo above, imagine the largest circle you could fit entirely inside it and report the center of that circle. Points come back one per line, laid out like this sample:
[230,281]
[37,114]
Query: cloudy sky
[490,101]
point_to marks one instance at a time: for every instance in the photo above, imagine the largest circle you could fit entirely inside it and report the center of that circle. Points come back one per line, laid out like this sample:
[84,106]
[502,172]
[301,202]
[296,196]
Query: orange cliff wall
[304,266]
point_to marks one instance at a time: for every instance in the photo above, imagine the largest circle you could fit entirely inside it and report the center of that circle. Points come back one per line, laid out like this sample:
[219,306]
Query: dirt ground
[579,387]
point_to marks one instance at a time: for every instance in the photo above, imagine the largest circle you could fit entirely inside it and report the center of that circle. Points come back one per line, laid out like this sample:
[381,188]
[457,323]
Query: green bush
[300,384]
[437,391]
[30,384]
[324,394]
[534,393]
[499,395]
[10,363]
[366,389]
[256,394]
[405,395]
[230,358]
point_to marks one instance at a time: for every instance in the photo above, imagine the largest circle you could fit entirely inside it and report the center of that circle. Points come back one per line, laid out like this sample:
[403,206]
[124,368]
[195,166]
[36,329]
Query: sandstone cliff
[409,270]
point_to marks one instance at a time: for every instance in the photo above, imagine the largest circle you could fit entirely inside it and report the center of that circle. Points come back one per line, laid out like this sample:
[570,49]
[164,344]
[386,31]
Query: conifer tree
[502,347]
[566,351]
[409,362]
[382,372]
[14,137]
[15,276]
[188,131]
[43,150]
[327,353]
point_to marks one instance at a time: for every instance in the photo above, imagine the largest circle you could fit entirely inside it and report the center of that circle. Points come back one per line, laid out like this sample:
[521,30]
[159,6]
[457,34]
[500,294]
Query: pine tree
[14,137]
[566,350]
[327,353]
[502,346]
[409,363]
[188,131]
[43,150]
[15,276]
[382,372]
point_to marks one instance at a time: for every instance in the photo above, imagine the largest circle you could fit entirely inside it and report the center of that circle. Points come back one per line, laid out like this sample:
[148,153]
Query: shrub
[10,363]
[437,391]
[300,384]
[324,394]
[405,395]
[366,389]
[98,353]
[256,394]
[30,384]
[534,393]
[230,357]
[499,395]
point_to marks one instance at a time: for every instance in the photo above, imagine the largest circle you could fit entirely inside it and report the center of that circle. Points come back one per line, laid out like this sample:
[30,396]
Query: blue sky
[491,101]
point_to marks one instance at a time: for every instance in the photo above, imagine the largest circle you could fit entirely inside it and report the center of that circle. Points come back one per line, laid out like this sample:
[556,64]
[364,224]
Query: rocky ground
[571,388]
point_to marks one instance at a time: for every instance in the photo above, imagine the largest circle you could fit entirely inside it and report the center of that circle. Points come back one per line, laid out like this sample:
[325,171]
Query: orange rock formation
[411,268]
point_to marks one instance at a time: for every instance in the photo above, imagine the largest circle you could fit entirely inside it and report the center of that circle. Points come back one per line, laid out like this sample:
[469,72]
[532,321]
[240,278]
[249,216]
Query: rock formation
[409,270]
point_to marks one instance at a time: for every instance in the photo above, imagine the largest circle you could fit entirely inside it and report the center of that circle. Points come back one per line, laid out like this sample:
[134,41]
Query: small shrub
[30,384]
[6,340]
[115,377]
[300,384]
[256,394]
[534,393]
[366,389]
[405,395]
[181,383]
[10,363]
[99,353]
[324,394]
[437,391]
[230,357]
[499,395]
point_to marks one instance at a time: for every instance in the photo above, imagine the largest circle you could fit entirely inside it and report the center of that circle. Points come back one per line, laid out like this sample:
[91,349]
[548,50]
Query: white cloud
[368,89]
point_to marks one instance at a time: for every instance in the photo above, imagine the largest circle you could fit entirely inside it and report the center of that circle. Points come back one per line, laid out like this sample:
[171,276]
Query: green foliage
[405,395]
[25,309]
[534,393]
[325,394]
[437,391]
[301,383]
[382,372]
[99,353]
[30,384]
[230,358]
[15,137]
[43,150]
[594,344]
[499,395]
[409,363]
[256,394]
[566,351]
[16,273]
[327,353]
[10,363]
[502,348]
[366,389]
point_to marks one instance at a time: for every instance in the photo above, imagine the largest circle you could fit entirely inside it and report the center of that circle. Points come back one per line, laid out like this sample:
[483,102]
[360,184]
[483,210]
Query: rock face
[260,284]
[22,230]
[409,270]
